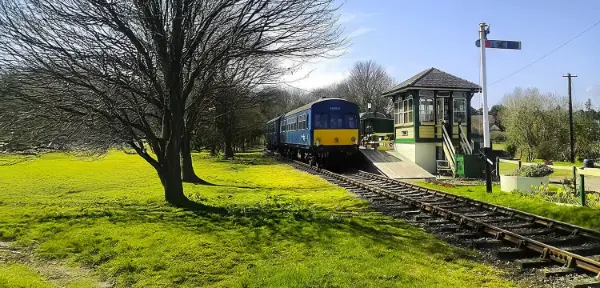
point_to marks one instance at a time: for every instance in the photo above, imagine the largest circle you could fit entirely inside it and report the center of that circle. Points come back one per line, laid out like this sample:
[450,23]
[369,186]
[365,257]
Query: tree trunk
[187,167]
[228,149]
[170,175]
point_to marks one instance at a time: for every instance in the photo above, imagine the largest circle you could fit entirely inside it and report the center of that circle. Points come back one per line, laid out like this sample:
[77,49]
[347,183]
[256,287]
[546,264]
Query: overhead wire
[547,54]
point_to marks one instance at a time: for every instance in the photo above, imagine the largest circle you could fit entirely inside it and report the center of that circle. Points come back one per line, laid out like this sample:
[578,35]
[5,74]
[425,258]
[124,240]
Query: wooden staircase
[465,147]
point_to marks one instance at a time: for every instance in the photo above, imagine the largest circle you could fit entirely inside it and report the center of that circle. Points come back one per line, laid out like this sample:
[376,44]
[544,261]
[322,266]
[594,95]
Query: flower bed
[526,178]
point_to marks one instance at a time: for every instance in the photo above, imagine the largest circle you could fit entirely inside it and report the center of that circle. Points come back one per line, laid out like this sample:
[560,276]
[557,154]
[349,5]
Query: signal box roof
[433,78]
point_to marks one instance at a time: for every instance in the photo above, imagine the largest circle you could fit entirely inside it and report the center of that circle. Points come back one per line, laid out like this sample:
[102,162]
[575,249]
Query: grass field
[582,216]
[81,222]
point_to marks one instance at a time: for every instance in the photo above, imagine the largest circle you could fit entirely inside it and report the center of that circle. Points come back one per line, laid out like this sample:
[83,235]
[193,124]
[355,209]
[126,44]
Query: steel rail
[550,223]
[570,260]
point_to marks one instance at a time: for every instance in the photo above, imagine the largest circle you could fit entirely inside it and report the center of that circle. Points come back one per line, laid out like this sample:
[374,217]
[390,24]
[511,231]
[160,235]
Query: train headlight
[318,142]
[336,140]
[353,139]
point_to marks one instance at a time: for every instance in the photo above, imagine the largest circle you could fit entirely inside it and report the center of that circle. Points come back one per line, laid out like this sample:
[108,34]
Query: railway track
[531,240]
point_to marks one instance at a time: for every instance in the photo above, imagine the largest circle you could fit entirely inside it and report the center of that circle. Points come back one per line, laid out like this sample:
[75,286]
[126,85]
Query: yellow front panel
[335,137]
[426,132]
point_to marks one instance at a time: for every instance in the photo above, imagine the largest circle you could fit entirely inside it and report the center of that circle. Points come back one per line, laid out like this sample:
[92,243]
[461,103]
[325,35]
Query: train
[322,133]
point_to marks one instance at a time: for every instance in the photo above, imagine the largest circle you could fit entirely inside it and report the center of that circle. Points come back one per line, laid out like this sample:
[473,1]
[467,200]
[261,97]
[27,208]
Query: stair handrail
[447,140]
[451,152]
[464,141]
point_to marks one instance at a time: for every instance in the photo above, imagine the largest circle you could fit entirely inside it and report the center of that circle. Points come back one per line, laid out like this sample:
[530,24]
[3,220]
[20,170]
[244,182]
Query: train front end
[335,130]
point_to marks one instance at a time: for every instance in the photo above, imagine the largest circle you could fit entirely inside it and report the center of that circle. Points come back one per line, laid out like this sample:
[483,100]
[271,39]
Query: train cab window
[321,120]
[336,121]
[350,121]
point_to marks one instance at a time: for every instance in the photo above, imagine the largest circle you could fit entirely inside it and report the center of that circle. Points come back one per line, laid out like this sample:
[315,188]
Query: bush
[532,171]
[511,149]
[497,136]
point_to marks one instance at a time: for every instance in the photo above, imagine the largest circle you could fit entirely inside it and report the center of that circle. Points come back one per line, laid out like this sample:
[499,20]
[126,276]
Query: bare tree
[133,65]
[365,84]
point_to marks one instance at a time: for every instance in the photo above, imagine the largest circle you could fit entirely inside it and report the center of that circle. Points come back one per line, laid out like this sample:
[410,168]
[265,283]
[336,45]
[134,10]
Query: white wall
[407,150]
[425,156]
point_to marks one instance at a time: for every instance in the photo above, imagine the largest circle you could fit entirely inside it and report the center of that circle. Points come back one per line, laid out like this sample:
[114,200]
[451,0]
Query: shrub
[497,136]
[511,149]
[532,171]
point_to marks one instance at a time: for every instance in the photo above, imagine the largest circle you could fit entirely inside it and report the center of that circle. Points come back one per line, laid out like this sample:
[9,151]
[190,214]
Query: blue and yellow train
[321,132]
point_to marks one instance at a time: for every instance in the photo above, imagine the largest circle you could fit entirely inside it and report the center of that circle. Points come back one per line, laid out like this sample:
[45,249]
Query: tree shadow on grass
[261,226]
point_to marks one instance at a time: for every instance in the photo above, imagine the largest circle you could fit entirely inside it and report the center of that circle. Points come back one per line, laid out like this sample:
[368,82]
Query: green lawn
[582,216]
[94,222]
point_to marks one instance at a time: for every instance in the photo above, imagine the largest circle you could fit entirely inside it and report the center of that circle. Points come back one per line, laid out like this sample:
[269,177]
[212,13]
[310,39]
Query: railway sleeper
[449,228]
[536,232]
[438,222]
[479,215]
[555,272]
[586,251]
[468,235]
[513,253]
[486,243]
[423,217]
[517,226]
[533,263]
[586,283]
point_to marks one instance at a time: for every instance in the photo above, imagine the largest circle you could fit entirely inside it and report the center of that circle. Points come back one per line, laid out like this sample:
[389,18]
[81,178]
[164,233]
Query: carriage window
[336,121]
[350,121]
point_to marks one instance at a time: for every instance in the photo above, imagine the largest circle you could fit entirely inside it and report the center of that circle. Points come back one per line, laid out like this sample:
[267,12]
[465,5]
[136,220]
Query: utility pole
[483,31]
[572,141]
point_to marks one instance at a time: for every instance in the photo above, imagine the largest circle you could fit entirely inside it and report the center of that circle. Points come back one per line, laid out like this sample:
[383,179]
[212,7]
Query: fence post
[498,167]
[582,189]
[519,164]
[574,176]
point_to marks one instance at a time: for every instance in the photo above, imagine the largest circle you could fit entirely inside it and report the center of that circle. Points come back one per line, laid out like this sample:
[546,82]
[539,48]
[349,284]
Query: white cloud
[359,31]
[354,17]
[320,73]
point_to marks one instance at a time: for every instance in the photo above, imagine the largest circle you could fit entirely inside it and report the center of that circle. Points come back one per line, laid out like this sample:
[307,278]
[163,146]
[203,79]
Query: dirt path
[56,273]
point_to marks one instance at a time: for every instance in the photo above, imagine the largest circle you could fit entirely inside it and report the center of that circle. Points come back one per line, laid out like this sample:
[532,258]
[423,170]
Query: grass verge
[582,216]
[284,228]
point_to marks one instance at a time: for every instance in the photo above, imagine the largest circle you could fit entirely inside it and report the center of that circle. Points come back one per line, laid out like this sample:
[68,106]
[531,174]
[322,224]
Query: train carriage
[321,131]
[272,133]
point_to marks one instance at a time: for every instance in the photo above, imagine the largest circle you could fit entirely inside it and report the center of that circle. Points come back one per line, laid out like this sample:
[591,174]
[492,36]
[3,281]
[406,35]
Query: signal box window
[403,111]
[407,110]
[426,110]
[460,110]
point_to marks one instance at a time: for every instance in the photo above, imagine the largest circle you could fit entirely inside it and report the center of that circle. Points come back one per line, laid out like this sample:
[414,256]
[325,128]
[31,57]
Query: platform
[393,165]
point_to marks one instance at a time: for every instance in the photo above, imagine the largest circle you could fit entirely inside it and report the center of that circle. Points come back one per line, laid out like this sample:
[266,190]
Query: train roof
[309,105]
[373,115]
[274,119]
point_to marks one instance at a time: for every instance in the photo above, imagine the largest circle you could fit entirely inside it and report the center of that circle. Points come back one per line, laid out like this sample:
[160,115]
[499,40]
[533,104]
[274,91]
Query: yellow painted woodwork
[426,131]
[410,133]
[335,137]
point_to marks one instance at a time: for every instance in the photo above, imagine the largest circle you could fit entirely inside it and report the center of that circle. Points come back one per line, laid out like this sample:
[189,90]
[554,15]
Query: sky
[407,37]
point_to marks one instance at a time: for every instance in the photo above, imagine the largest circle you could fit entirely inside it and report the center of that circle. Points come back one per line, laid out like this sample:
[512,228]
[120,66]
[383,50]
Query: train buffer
[393,165]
